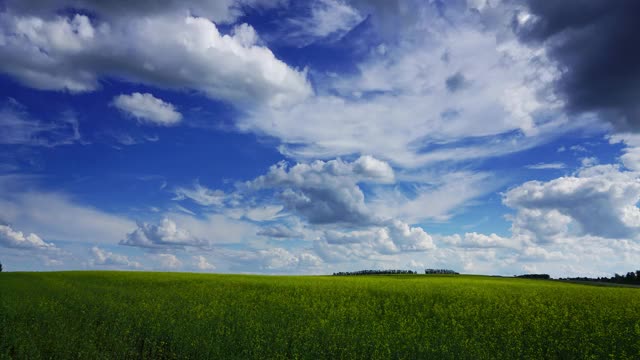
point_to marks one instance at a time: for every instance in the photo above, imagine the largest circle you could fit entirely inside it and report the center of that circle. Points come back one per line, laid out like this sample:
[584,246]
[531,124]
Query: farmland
[124,315]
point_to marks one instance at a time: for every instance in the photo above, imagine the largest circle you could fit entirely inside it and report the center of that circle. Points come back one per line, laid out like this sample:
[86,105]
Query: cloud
[167,261]
[392,238]
[165,50]
[476,240]
[106,258]
[225,11]
[275,259]
[601,200]
[18,127]
[631,152]
[16,239]
[592,43]
[547,166]
[262,213]
[201,195]
[327,19]
[215,228]
[202,263]
[57,215]
[326,192]
[412,106]
[164,235]
[433,196]
[279,231]
[147,109]
[456,82]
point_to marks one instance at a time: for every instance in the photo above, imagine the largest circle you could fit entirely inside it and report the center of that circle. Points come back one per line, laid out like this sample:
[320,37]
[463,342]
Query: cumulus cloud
[167,261]
[216,228]
[420,101]
[166,50]
[106,258]
[164,235]
[275,259]
[16,239]
[476,240]
[219,11]
[631,152]
[601,200]
[394,237]
[325,192]
[146,108]
[202,263]
[591,41]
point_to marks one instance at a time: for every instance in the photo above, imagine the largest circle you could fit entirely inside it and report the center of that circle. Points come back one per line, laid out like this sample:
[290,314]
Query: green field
[134,315]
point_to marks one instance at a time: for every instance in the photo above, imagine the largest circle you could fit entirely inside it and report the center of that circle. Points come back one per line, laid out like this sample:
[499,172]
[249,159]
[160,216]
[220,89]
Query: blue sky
[267,136]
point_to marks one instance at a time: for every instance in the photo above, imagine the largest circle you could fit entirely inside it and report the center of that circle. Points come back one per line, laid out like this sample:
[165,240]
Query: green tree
[0,267]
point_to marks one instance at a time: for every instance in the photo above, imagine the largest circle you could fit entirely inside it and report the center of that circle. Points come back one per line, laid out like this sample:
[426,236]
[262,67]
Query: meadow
[137,315]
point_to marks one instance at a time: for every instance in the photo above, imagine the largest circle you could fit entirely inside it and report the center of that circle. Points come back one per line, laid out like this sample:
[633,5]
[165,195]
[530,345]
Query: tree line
[394,272]
[632,277]
[535,276]
[376,272]
[440,271]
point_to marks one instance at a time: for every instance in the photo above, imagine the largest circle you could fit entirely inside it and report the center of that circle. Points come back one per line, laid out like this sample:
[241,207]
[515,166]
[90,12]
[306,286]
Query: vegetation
[535,276]
[376,272]
[0,267]
[631,278]
[121,315]
[440,272]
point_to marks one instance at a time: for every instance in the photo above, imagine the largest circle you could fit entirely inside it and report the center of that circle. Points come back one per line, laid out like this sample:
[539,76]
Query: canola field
[137,315]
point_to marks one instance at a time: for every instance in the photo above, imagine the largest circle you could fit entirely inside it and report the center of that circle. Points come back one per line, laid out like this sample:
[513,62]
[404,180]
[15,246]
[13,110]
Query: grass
[135,315]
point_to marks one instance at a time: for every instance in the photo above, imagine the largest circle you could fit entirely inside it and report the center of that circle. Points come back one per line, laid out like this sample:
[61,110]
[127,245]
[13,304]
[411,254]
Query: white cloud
[599,200]
[216,229]
[631,152]
[106,258]
[395,237]
[274,259]
[225,11]
[326,192]
[18,127]
[328,19]
[435,196]
[202,263]
[148,109]
[589,161]
[546,166]
[57,216]
[201,195]
[16,239]
[279,231]
[172,51]
[257,213]
[533,253]
[397,107]
[476,240]
[164,235]
[167,261]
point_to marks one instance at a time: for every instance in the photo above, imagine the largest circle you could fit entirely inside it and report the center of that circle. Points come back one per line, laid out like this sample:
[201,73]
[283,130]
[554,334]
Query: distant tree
[0,267]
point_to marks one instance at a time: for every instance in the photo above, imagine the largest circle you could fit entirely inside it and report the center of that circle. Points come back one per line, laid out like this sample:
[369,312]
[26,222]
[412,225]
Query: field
[135,315]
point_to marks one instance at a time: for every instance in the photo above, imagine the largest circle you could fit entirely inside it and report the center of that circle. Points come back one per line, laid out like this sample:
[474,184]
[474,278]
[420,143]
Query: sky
[310,137]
